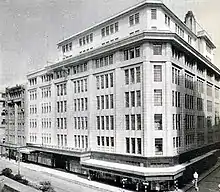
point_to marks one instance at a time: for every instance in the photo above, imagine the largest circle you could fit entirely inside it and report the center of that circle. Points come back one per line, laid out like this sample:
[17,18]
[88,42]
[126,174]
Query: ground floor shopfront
[123,171]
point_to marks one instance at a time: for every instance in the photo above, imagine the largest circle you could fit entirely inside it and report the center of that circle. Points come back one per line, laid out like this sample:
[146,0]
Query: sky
[30,29]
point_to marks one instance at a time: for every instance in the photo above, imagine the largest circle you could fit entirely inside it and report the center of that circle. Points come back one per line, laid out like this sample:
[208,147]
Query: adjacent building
[131,97]
[15,115]
[2,117]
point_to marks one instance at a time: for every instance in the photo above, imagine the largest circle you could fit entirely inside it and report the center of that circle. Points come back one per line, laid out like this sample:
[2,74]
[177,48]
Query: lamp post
[196,176]
[19,167]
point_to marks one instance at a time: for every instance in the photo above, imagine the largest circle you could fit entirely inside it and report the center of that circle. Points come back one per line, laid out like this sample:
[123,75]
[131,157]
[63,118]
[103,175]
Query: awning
[26,151]
[136,170]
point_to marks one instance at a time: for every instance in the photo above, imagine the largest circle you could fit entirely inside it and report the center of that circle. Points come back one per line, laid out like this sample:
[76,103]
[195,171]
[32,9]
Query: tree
[46,186]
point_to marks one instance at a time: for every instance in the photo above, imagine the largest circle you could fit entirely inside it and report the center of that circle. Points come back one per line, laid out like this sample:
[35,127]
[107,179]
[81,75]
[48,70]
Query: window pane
[157,97]
[157,73]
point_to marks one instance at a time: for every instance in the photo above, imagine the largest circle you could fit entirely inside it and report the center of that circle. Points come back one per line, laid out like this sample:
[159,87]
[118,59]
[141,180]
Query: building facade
[2,117]
[15,115]
[131,97]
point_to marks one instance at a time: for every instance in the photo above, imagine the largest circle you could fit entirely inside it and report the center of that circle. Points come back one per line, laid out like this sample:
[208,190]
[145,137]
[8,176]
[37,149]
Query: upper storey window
[154,14]
[132,53]
[67,47]
[33,81]
[157,49]
[208,48]
[110,29]
[179,30]
[167,20]
[86,39]
[104,61]
[134,19]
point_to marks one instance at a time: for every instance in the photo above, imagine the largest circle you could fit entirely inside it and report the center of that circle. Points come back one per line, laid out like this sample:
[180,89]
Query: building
[2,117]
[15,135]
[131,98]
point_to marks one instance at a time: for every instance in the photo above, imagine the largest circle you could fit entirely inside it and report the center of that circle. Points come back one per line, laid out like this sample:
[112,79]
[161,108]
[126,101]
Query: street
[210,183]
[60,185]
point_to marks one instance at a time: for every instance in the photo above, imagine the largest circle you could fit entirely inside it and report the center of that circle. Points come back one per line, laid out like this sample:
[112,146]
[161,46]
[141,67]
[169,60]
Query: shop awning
[26,151]
[136,170]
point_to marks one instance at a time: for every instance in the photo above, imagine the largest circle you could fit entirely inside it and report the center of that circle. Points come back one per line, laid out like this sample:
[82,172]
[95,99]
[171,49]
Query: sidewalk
[203,175]
[70,177]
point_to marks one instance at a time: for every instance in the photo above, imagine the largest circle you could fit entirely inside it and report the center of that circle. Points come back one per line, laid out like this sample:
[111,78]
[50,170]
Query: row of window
[61,89]
[81,104]
[78,68]
[190,139]
[131,53]
[33,123]
[176,142]
[46,123]
[62,123]
[45,92]
[105,122]
[46,77]
[105,141]
[132,75]
[133,145]
[81,141]
[189,104]
[176,121]
[32,81]
[46,138]
[175,75]
[189,121]
[61,140]
[133,99]
[110,29]
[80,86]
[188,81]
[105,102]
[179,30]
[104,81]
[33,109]
[86,39]
[133,122]
[33,94]
[134,19]
[67,47]
[33,137]
[46,107]
[175,98]
[61,106]
[81,122]
[104,61]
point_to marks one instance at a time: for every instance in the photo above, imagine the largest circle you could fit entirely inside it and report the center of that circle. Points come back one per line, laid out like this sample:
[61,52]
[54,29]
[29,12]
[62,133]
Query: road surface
[59,184]
[210,183]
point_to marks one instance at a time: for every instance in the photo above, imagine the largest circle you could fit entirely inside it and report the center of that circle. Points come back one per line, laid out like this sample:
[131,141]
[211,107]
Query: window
[138,121]
[136,17]
[138,93]
[127,145]
[112,122]
[158,121]
[131,20]
[127,122]
[132,98]
[98,122]
[132,122]
[167,20]
[138,74]
[153,13]
[158,146]
[107,122]
[157,49]
[127,77]
[106,101]
[209,106]
[103,141]
[157,97]
[111,101]
[133,147]
[103,32]
[139,146]
[112,142]
[111,80]
[157,73]
[126,99]
[98,140]
[107,141]
[116,27]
